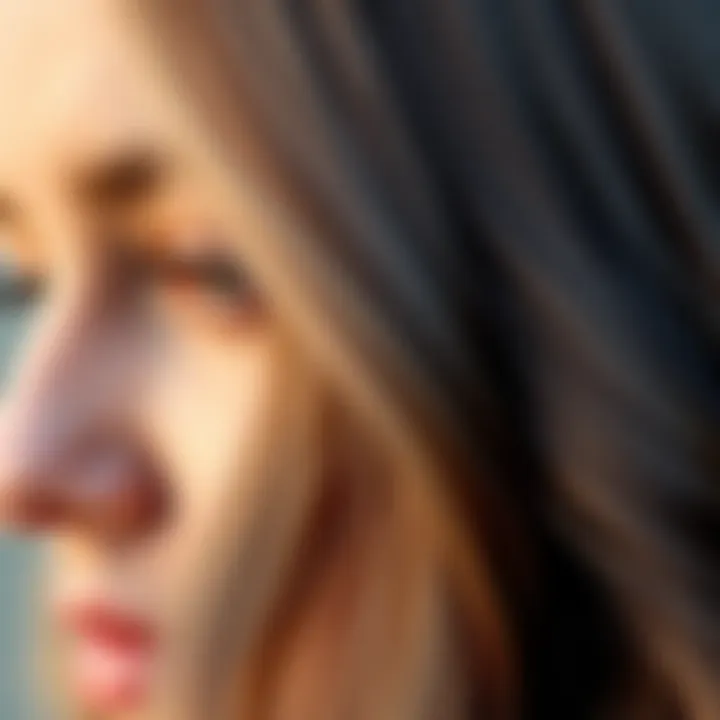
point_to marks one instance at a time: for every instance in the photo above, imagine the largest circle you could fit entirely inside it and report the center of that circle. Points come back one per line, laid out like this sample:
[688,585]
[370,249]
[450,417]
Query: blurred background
[18,559]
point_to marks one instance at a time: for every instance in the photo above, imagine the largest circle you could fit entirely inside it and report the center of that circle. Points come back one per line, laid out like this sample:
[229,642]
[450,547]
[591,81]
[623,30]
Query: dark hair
[523,195]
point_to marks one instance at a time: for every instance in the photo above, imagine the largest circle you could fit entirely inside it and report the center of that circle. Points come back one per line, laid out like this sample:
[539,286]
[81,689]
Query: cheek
[207,414]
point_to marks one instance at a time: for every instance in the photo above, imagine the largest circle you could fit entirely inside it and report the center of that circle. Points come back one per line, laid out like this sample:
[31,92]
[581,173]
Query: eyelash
[209,280]
[214,273]
[217,277]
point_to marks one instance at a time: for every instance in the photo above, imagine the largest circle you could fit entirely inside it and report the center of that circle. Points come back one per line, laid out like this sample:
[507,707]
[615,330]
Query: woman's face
[145,393]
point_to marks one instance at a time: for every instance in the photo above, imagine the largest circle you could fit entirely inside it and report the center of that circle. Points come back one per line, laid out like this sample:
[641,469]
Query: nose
[103,485]
[69,459]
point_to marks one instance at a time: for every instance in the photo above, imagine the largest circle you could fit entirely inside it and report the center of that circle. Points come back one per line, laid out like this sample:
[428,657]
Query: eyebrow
[123,180]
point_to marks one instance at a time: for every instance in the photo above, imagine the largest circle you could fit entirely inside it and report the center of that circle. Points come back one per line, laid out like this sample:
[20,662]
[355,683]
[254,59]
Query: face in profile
[145,396]
[335,405]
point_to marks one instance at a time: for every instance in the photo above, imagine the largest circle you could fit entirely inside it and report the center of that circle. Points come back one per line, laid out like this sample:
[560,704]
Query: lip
[112,657]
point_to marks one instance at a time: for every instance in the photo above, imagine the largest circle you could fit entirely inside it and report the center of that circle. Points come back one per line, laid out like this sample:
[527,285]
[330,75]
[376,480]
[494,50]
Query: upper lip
[99,622]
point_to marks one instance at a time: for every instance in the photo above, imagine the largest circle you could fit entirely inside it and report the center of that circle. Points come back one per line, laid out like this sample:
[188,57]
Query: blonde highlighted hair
[398,177]
[380,602]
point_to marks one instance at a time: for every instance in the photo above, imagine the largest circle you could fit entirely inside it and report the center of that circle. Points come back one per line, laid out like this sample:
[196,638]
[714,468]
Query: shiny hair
[483,220]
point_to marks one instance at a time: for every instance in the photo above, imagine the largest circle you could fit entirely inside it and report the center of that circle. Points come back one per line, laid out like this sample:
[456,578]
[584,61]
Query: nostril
[117,489]
[141,508]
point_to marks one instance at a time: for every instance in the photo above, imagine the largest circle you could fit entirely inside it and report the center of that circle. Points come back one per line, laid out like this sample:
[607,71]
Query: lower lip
[109,679]
[112,672]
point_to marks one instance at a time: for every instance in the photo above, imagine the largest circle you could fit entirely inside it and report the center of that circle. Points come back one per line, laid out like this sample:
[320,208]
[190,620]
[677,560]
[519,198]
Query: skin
[139,402]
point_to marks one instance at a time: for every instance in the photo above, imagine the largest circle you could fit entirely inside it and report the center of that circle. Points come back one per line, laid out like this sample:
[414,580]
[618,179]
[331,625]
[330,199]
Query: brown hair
[493,278]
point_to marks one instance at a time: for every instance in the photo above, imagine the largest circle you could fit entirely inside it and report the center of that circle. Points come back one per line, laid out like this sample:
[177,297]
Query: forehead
[72,85]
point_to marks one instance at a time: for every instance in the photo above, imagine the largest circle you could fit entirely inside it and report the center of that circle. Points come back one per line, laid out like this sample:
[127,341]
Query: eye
[208,283]
[22,294]
[22,284]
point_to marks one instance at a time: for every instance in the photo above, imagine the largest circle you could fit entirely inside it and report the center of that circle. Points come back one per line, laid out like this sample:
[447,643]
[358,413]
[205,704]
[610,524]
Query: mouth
[113,656]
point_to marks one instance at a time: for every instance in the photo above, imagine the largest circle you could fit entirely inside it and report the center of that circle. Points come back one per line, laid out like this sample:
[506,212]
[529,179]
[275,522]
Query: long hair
[491,224]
